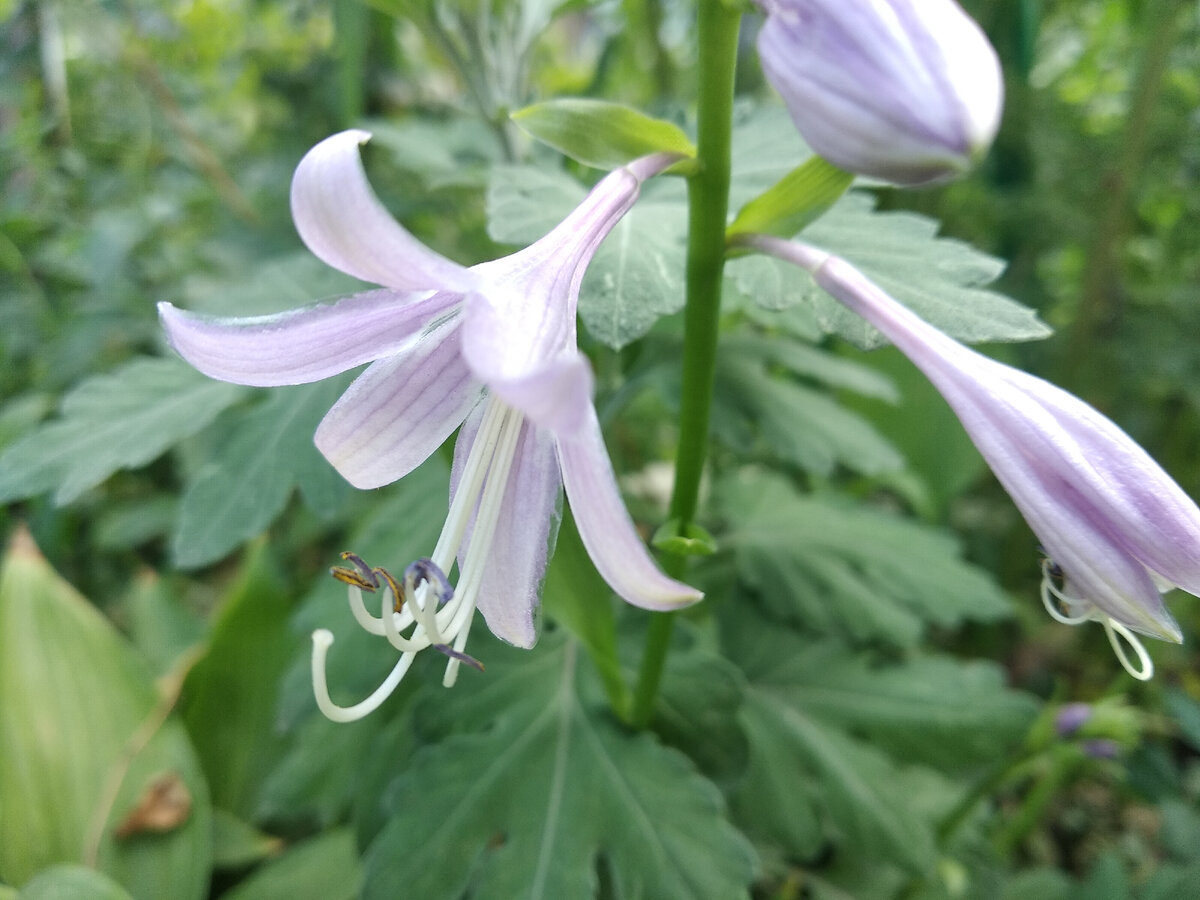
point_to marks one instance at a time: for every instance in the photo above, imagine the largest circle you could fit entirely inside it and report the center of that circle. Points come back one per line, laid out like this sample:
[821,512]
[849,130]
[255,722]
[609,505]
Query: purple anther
[461,657]
[426,570]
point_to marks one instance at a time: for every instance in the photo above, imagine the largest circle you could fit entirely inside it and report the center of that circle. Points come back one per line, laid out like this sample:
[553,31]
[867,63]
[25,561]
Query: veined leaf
[534,784]
[858,573]
[251,476]
[940,279]
[109,422]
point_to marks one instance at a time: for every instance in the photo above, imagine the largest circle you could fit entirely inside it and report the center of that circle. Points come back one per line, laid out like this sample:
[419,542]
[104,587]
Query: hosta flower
[1117,530]
[904,90]
[491,348]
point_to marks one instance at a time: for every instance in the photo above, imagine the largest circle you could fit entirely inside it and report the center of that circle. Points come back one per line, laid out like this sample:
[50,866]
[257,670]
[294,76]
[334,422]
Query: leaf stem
[708,207]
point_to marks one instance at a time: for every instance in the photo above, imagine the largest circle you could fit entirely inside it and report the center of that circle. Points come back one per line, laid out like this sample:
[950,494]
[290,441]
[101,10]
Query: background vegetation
[867,709]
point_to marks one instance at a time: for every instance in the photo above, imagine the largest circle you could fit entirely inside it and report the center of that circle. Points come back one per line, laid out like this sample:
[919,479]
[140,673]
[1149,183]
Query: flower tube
[1117,530]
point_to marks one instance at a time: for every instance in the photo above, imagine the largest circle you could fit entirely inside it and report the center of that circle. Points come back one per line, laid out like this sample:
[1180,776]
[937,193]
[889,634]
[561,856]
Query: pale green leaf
[83,743]
[72,882]
[600,134]
[249,478]
[796,200]
[529,754]
[116,421]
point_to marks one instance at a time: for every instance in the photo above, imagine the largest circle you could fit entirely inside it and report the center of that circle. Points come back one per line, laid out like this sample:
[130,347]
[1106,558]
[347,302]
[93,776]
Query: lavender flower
[491,348]
[1116,529]
[905,90]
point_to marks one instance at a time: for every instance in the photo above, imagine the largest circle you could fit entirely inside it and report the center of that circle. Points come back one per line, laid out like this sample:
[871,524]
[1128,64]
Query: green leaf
[248,481]
[907,709]
[84,743]
[941,280]
[637,274]
[230,695]
[325,867]
[72,882]
[802,426]
[850,788]
[793,202]
[600,134]
[534,784]
[859,573]
[109,422]
[578,598]
[237,844]
[690,541]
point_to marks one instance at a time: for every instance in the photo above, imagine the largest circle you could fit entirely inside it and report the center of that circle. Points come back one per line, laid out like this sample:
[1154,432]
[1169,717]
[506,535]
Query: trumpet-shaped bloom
[491,348]
[1117,530]
[905,90]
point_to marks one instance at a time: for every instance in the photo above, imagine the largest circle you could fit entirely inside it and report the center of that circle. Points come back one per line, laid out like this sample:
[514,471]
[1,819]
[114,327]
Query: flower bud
[909,91]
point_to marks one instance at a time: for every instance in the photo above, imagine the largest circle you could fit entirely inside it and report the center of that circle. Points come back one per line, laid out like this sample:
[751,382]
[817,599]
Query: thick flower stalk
[491,348]
[909,91]
[1116,529]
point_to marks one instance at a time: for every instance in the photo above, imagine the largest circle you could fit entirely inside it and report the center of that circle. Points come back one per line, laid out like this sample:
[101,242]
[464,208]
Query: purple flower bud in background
[909,91]
[1101,748]
[1071,718]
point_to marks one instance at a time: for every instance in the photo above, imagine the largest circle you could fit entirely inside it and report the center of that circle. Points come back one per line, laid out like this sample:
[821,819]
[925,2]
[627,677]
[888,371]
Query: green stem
[708,206]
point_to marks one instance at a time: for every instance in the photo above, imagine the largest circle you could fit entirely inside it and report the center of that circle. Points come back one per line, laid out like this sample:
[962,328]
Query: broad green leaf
[326,866]
[851,571]
[850,787]
[696,712]
[117,421]
[800,425]
[601,134]
[533,783]
[72,882]
[230,695]
[248,481]
[796,200]
[940,279]
[908,709]
[85,746]
[637,274]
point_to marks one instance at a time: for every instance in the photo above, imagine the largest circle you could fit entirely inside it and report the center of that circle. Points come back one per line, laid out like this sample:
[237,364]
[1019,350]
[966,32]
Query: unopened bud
[909,91]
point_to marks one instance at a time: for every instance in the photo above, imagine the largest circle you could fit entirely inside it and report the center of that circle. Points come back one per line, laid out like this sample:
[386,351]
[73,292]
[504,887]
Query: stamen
[461,657]
[1050,571]
[322,640]
[361,576]
[1114,628]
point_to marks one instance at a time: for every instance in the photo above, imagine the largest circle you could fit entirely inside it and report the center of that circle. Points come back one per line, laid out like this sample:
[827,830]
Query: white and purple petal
[344,224]
[606,529]
[302,345]
[400,410]
[524,534]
